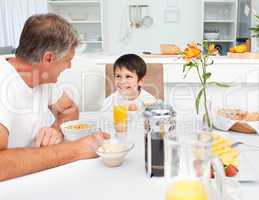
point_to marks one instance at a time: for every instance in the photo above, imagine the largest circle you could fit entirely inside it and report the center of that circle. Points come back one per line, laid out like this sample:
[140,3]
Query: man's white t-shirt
[24,110]
[143,97]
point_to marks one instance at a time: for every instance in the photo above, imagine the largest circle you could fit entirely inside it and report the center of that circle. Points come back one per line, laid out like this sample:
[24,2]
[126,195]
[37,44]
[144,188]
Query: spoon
[235,144]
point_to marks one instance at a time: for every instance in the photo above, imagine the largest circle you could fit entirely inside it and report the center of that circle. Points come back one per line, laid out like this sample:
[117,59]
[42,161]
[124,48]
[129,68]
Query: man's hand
[48,136]
[89,144]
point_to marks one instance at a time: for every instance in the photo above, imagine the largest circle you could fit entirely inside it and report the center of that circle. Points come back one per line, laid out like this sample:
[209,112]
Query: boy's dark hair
[133,63]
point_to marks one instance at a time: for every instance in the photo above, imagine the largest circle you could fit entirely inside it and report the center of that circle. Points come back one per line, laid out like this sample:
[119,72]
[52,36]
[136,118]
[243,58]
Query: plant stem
[204,59]
[206,108]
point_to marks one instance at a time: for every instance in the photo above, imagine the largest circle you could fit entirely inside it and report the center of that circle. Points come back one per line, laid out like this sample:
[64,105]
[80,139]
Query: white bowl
[113,153]
[71,132]
[211,36]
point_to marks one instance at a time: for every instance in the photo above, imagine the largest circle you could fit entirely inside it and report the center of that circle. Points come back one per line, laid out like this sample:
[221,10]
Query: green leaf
[197,100]
[206,76]
[223,85]
[188,66]
[211,63]
[205,45]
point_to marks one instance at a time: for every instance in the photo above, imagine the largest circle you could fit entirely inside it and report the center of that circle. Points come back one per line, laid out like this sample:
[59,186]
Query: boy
[129,71]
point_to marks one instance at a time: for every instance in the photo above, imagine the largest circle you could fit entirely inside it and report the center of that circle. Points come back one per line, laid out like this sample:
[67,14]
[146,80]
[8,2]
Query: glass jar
[159,121]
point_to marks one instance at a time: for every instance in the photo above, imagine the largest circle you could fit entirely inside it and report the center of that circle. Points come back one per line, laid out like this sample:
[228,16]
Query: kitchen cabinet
[219,21]
[87,18]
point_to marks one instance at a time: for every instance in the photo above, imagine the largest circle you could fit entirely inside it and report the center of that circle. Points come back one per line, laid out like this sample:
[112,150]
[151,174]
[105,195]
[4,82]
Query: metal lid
[159,111]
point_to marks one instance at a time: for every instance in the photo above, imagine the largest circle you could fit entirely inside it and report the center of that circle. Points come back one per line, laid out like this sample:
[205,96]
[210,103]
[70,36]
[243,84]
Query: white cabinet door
[85,83]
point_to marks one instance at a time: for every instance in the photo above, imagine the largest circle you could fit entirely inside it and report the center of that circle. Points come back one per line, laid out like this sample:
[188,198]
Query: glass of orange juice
[120,116]
[188,163]
[186,189]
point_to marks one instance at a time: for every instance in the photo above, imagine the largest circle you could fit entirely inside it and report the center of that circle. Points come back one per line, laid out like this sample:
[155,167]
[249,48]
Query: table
[90,179]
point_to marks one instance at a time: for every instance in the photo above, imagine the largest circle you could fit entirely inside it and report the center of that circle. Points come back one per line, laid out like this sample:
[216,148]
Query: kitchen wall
[13,14]
[255,10]
[255,7]
[121,37]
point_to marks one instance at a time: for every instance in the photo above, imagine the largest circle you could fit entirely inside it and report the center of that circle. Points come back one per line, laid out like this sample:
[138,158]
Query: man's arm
[21,161]
[64,110]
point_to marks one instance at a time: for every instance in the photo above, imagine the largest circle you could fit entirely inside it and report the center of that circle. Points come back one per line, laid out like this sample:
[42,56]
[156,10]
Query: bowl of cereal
[113,153]
[76,129]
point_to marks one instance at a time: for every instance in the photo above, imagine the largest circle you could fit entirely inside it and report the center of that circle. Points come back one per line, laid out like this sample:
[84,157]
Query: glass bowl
[113,153]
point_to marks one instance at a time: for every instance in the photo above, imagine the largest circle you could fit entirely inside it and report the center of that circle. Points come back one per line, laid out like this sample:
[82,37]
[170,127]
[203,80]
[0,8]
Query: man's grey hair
[45,32]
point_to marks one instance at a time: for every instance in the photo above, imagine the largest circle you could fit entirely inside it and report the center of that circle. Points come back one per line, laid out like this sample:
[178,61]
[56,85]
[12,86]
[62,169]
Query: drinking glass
[120,116]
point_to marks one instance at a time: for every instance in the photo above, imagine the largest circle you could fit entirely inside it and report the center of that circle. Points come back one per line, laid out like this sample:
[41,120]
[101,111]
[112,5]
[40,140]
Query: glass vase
[204,116]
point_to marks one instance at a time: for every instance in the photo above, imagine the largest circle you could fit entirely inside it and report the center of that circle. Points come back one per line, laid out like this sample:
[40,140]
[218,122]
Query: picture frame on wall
[171,15]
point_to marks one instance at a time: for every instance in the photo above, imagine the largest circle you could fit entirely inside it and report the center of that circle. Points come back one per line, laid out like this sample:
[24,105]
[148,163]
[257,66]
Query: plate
[247,170]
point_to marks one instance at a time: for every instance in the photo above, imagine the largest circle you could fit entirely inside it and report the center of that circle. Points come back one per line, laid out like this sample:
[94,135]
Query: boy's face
[126,82]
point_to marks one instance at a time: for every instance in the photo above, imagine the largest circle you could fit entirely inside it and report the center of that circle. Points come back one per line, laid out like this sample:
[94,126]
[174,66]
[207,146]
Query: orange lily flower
[192,51]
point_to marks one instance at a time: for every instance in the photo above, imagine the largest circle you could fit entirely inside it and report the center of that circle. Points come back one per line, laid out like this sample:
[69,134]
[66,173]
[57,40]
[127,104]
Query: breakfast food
[113,148]
[113,154]
[237,114]
[233,114]
[169,49]
[78,126]
[149,103]
[228,155]
[242,117]
[132,107]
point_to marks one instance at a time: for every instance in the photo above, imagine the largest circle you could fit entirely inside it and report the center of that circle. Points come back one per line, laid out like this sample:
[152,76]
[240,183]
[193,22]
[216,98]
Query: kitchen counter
[225,69]
[241,74]
[108,58]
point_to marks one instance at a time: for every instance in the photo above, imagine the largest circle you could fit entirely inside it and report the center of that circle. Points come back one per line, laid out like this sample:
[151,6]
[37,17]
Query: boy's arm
[64,110]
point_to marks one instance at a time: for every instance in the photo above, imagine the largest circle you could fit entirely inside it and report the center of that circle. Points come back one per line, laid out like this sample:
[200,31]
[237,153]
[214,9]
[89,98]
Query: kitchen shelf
[84,22]
[219,1]
[73,2]
[219,21]
[224,41]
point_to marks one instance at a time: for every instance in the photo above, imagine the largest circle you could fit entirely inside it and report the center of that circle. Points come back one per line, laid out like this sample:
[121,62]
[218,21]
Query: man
[30,138]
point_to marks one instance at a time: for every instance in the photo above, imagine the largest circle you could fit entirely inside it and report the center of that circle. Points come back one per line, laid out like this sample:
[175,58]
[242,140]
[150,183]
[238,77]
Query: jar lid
[159,110]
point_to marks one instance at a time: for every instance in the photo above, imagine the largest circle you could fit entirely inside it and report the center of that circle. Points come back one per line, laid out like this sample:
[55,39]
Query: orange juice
[186,190]
[120,117]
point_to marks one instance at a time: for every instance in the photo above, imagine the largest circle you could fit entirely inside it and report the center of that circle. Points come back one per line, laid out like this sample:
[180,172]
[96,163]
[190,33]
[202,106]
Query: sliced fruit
[231,170]
[228,155]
